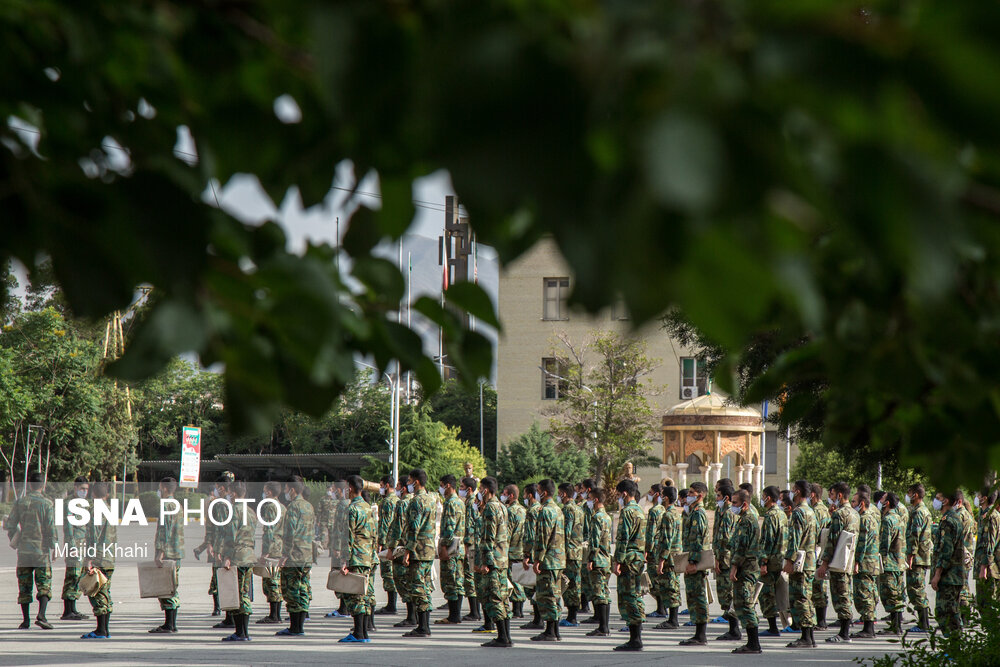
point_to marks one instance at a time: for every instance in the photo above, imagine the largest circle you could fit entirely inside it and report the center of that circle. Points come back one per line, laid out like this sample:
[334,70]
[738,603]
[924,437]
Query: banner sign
[190,456]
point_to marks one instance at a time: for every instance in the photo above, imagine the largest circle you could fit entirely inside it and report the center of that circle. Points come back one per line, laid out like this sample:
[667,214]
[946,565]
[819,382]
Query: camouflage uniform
[772,554]
[472,521]
[238,547]
[493,548]
[969,543]
[169,541]
[919,546]
[325,530]
[819,589]
[271,544]
[573,523]
[214,536]
[668,543]
[74,536]
[949,556]
[386,517]
[97,538]
[987,542]
[695,527]
[421,520]
[630,548]
[453,530]
[297,548]
[744,548]
[600,556]
[657,582]
[515,526]
[397,538]
[841,583]
[722,533]
[802,537]
[866,557]
[550,552]
[530,522]
[891,548]
[358,554]
[586,581]
[34,514]
[370,593]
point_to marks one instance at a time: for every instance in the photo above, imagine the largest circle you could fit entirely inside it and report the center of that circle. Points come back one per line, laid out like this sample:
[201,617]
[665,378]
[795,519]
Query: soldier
[919,555]
[653,517]
[452,562]
[370,592]
[695,528]
[357,557]
[272,546]
[630,557]
[421,520]
[99,537]
[493,562]
[773,540]
[549,557]
[668,543]
[386,516]
[987,542]
[533,507]
[866,564]
[573,523]
[892,547]
[950,573]
[32,520]
[76,538]
[169,545]
[212,542]
[238,551]
[969,544]
[819,590]
[488,626]
[586,594]
[297,552]
[468,494]
[722,534]
[599,562]
[802,537]
[326,508]
[515,550]
[843,518]
[744,547]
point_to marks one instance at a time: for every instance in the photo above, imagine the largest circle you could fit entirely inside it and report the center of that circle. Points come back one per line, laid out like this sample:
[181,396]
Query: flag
[444,277]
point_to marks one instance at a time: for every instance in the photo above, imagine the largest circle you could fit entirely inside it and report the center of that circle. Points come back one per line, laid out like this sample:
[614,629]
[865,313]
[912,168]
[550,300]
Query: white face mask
[809,501]
[906,499]
[686,508]
[575,495]
[780,505]
[399,493]
[409,488]
[463,493]
[479,496]
[538,496]
[590,504]
[879,505]
[332,494]
[441,490]
[690,500]
[81,494]
[938,504]
[621,503]
[263,495]
[975,501]
[832,502]
[287,498]
[526,503]
[720,503]
[382,490]
[736,510]
[159,494]
[504,498]
[649,497]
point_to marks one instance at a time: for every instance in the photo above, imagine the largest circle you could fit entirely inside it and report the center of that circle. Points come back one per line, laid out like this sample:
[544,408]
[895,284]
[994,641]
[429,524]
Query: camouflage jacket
[744,545]
[630,542]
[216,526]
[919,536]
[695,527]
[360,534]
[668,535]
[588,519]
[722,533]
[75,536]
[948,552]
[530,523]
[493,537]
[471,522]
[338,528]
[300,526]
[515,527]
[239,540]
[802,536]
[102,540]
[397,532]
[573,522]
[386,517]
[903,513]
[987,540]
[841,519]
[822,513]
[169,538]
[772,539]
[969,531]
[866,555]
[892,544]
[272,537]
[600,539]
[653,519]
[550,537]
[325,509]
[453,523]
[34,515]
[421,521]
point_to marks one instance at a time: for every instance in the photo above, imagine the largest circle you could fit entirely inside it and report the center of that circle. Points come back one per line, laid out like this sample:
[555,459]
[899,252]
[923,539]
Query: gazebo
[701,434]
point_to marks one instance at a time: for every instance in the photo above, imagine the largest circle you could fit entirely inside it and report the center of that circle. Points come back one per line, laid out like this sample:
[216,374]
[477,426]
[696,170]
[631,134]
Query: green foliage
[977,644]
[823,465]
[150,502]
[456,406]
[532,456]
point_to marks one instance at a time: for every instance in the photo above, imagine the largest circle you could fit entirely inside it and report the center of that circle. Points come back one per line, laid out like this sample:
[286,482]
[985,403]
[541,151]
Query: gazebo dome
[711,412]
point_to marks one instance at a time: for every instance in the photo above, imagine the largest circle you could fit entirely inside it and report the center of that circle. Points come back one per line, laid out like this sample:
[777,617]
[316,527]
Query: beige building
[533,295]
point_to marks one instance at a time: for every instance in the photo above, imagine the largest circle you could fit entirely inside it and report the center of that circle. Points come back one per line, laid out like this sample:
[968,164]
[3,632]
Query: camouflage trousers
[453,577]
[495,594]
[670,587]
[864,595]
[916,579]
[571,596]
[630,602]
[891,589]
[987,591]
[271,586]
[174,601]
[295,588]
[469,583]
[819,595]
[548,588]
[586,583]
[768,595]
[599,592]
[71,582]
[101,601]
[947,603]
[697,597]
[388,583]
[841,590]
[213,585]
[517,590]
[357,604]
[746,582]
[724,590]
[400,580]
[33,578]
[800,599]
[244,579]
[420,584]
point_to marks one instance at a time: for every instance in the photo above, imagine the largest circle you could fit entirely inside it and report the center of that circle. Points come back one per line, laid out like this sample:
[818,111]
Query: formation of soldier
[555,547]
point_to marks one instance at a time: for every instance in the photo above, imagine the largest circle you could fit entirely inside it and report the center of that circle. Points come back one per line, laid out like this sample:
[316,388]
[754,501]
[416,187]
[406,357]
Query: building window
[554,383]
[771,452]
[694,378]
[556,292]
[618,310]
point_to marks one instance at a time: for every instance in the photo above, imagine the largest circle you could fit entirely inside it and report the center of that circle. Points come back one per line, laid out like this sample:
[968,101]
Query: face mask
[441,490]
[538,496]
[382,491]
[686,509]
[590,504]
[720,503]
[879,505]
[975,501]
[621,503]
[906,499]
[81,494]
[332,494]
[649,497]
[399,493]
[263,495]
[780,505]
[575,495]
[286,496]
[938,504]
[479,496]
[525,501]
[409,488]
[463,493]
[736,510]
[831,502]
[856,508]
[809,501]
[504,498]
[690,500]
[159,494]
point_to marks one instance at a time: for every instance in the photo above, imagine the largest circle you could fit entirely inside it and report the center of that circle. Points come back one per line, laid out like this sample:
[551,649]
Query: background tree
[823,465]
[455,405]
[532,456]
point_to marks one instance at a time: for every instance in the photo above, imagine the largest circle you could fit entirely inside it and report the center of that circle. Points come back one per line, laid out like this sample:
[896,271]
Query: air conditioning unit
[688,393]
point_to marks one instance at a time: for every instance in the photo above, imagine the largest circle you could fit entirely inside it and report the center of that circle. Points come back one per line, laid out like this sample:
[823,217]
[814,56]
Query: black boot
[390,604]
[821,619]
[895,624]
[844,635]
[423,628]
[734,634]
[803,641]
[519,609]
[370,624]
[40,620]
[634,642]
[503,635]
[226,622]
[660,612]
[274,615]
[670,623]
[571,616]
[867,631]
[584,604]
[70,613]
[601,611]
[410,621]
[753,642]
[103,623]
[474,611]
[549,635]
[454,616]
[924,619]
[699,638]
[215,605]
[245,628]
[536,621]
[165,628]
[342,609]
[26,613]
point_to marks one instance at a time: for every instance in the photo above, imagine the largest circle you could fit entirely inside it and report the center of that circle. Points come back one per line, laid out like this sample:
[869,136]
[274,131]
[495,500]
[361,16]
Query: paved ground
[198,644]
